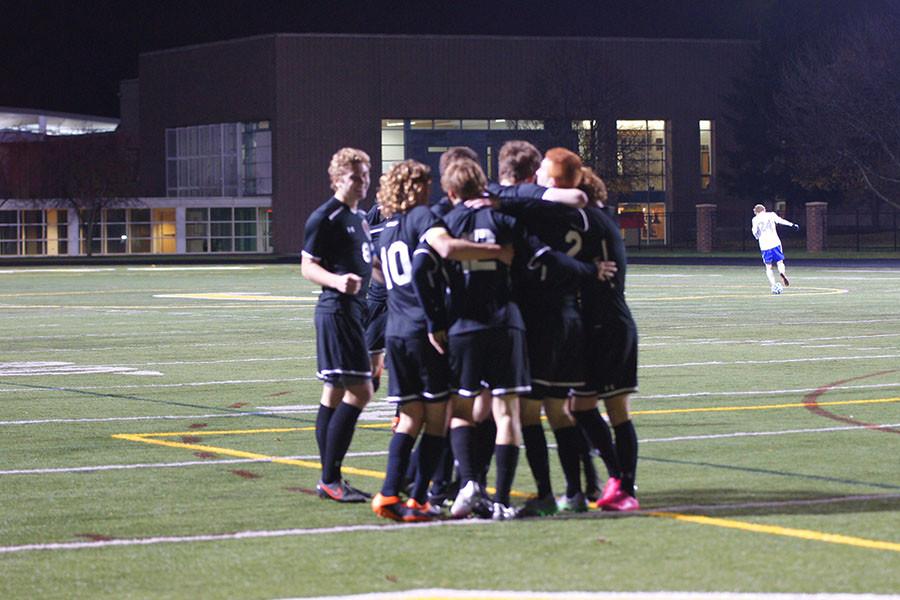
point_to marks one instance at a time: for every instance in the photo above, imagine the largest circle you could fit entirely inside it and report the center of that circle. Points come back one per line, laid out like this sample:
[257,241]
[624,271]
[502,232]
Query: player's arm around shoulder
[451,248]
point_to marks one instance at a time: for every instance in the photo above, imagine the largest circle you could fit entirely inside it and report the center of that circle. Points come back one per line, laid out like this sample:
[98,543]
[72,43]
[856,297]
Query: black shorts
[496,359]
[555,350]
[376,320]
[611,351]
[417,371]
[340,349]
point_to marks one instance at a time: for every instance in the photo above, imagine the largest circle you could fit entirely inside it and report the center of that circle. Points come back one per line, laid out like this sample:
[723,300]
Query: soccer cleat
[785,279]
[427,508]
[623,503]
[576,503]
[470,499]
[610,491]
[502,512]
[365,495]
[339,491]
[391,507]
[542,506]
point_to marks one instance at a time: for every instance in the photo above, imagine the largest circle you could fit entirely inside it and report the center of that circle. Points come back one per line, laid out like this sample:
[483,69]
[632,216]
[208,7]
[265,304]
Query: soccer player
[337,255]
[610,344]
[764,230]
[415,335]
[553,325]
[376,306]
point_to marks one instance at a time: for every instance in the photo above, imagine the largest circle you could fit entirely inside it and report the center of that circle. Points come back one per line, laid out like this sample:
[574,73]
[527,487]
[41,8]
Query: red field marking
[197,425]
[811,402]
[245,474]
[237,405]
[301,490]
[206,455]
[276,394]
[190,439]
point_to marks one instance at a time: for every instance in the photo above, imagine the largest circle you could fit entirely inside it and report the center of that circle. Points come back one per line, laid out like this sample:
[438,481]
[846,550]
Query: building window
[392,143]
[394,138]
[220,160]
[707,171]
[256,159]
[641,155]
[226,229]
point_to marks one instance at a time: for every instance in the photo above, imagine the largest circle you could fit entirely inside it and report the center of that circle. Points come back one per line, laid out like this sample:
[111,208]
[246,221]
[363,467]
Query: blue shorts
[555,350]
[418,372]
[341,349]
[772,255]
[375,322]
[496,359]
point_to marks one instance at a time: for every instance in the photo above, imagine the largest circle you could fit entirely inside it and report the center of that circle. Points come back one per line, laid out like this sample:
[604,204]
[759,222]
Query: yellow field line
[806,534]
[249,431]
[305,464]
[667,411]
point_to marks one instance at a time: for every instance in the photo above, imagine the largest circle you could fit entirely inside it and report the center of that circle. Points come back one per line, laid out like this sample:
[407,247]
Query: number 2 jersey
[480,290]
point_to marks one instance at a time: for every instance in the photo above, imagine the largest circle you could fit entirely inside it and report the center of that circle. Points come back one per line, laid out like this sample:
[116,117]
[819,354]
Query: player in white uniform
[763,228]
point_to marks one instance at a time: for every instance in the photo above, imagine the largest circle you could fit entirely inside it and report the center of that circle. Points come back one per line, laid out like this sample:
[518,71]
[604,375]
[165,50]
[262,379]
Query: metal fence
[854,230]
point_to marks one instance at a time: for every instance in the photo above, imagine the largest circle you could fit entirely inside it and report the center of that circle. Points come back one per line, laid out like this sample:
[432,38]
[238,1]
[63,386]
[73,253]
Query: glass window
[446,124]
[220,214]
[707,173]
[641,154]
[421,124]
[475,124]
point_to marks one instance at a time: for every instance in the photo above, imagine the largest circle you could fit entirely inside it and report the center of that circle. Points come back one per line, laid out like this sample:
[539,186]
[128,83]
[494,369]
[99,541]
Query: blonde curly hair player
[337,255]
[404,186]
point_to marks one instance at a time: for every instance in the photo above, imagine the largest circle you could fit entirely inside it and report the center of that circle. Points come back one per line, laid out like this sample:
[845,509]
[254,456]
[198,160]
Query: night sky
[69,56]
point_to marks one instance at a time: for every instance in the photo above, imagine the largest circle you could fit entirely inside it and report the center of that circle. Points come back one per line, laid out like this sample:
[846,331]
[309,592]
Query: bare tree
[589,97]
[839,111]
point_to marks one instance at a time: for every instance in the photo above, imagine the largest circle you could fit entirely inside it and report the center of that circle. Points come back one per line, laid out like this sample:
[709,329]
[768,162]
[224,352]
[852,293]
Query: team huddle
[499,302]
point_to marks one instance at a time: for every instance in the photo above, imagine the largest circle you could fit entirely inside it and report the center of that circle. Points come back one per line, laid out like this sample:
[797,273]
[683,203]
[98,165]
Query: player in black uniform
[553,322]
[337,254]
[611,346]
[376,306]
[416,329]
[487,337]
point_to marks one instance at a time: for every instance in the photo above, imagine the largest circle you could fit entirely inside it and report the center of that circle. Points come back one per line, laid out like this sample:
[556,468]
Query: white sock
[771,275]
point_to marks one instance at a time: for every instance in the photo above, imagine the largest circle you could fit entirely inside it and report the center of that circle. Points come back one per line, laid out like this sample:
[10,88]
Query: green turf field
[156,441]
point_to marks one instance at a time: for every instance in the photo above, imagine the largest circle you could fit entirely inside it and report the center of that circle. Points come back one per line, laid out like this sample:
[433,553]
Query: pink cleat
[623,503]
[610,492]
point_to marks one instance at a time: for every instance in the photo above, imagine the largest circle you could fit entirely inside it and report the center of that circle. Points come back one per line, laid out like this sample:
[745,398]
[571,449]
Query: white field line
[446,594]
[198,463]
[743,325]
[707,341]
[257,534]
[260,411]
[40,271]
[240,535]
[170,344]
[768,362]
[160,269]
[791,391]
[168,385]
[293,379]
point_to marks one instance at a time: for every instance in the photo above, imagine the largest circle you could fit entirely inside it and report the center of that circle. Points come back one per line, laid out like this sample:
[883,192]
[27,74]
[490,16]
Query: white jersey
[763,228]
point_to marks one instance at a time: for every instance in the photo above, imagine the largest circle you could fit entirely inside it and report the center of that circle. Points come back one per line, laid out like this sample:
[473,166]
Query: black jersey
[441,207]
[403,236]
[377,291]
[604,301]
[563,228]
[337,236]
[481,293]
